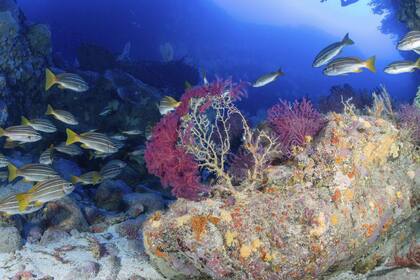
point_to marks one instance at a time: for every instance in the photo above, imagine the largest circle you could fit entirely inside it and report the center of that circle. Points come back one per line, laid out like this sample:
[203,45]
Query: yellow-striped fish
[61,115]
[112,169]
[92,140]
[168,104]
[47,156]
[347,65]
[3,161]
[43,192]
[4,175]
[43,125]
[71,150]
[33,172]
[89,178]
[65,81]
[10,206]
[20,133]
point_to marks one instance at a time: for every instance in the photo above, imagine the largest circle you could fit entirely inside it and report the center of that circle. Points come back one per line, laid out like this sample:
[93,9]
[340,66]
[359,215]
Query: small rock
[150,201]
[53,235]
[65,214]
[109,196]
[85,271]
[10,239]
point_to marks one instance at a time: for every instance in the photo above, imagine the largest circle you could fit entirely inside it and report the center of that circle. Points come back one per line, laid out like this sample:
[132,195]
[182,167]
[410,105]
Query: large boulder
[353,189]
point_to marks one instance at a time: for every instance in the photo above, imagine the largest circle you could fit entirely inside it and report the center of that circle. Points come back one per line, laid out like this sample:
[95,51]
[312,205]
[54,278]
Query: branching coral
[206,136]
[294,123]
[382,105]
[409,119]
[166,155]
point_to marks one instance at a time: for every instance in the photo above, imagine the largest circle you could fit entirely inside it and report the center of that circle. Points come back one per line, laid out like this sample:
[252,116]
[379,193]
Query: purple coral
[294,122]
[409,118]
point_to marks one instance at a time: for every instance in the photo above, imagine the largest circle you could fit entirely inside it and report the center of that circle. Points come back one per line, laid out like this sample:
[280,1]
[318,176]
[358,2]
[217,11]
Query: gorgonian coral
[409,118]
[294,123]
[171,162]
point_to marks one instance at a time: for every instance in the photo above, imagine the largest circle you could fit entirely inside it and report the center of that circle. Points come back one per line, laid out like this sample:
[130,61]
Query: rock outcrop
[25,49]
[326,211]
[409,13]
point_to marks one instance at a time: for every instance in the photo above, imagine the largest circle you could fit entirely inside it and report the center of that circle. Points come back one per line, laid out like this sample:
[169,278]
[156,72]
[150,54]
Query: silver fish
[410,42]
[168,104]
[112,169]
[20,133]
[118,137]
[43,125]
[10,206]
[132,132]
[268,78]
[33,172]
[89,178]
[45,191]
[3,161]
[331,51]
[47,156]
[61,115]
[92,140]
[71,150]
[4,175]
[65,81]
[402,67]
[346,65]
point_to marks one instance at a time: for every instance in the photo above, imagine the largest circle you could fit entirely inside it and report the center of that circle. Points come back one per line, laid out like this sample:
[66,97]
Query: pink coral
[293,122]
[409,118]
[170,162]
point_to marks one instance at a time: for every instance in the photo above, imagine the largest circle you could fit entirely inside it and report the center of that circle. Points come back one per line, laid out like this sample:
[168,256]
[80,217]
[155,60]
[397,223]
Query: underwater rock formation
[409,13]
[24,50]
[326,210]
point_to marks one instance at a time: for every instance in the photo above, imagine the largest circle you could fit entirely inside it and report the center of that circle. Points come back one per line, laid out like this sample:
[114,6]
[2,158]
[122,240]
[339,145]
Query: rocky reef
[25,50]
[409,13]
[342,204]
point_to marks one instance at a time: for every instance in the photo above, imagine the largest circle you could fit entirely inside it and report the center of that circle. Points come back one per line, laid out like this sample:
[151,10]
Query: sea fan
[293,123]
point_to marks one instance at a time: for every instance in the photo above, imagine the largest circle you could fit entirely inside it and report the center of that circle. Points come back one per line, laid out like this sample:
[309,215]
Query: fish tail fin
[370,64]
[418,63]
[1,132]
[50,79]
[50,110]
[74,180]
[25,121]
[23,200]
[72,137]
[347,41]
[12,172]
[280,72]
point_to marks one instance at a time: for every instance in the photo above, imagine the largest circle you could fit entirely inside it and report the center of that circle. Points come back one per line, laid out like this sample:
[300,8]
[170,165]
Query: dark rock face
[95,58]
[24,52]
[409,13]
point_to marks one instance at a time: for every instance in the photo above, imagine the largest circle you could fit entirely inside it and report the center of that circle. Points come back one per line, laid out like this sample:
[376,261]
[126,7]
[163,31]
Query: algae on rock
[336,204]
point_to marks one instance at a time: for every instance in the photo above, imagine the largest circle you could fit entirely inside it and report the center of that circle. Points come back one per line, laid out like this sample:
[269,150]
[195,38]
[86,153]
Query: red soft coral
[293,122]
[171,163]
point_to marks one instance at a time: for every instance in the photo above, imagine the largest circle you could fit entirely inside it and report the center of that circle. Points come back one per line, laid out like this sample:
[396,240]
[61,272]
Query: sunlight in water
[328,17]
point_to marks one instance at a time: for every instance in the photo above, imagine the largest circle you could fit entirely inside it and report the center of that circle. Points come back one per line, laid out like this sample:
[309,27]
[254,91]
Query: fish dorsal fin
[25,121]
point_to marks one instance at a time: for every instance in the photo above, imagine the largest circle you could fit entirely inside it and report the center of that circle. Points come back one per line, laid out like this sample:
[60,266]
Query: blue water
[242,39]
